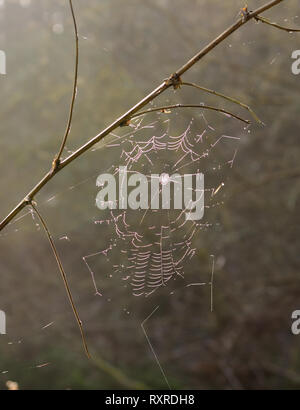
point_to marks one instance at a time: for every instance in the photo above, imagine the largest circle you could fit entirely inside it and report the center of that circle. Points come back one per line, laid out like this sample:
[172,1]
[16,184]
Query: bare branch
[205,107]
[102,364]
[63,275]
[270,23]
[57,157]
[243,20]
[226,97]
[150,97]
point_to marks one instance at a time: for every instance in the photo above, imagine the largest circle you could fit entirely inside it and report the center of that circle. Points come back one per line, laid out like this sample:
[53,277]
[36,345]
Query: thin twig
[102,364]
[150,97]
[242,20]
[270,23]
[63,275]
[206,107]
[226,97]
[56,160]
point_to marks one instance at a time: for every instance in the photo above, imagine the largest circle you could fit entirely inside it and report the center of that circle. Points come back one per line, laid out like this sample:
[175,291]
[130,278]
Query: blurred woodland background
[127,47]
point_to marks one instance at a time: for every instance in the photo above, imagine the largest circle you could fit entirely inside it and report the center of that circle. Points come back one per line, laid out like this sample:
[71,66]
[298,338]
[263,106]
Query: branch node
[125,123]
[55,163]
[28,200]
[174,80]
[245,13]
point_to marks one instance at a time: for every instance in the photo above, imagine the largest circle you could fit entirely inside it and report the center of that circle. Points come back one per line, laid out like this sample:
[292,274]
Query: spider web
[146,253]
[149,252]
[156,245]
